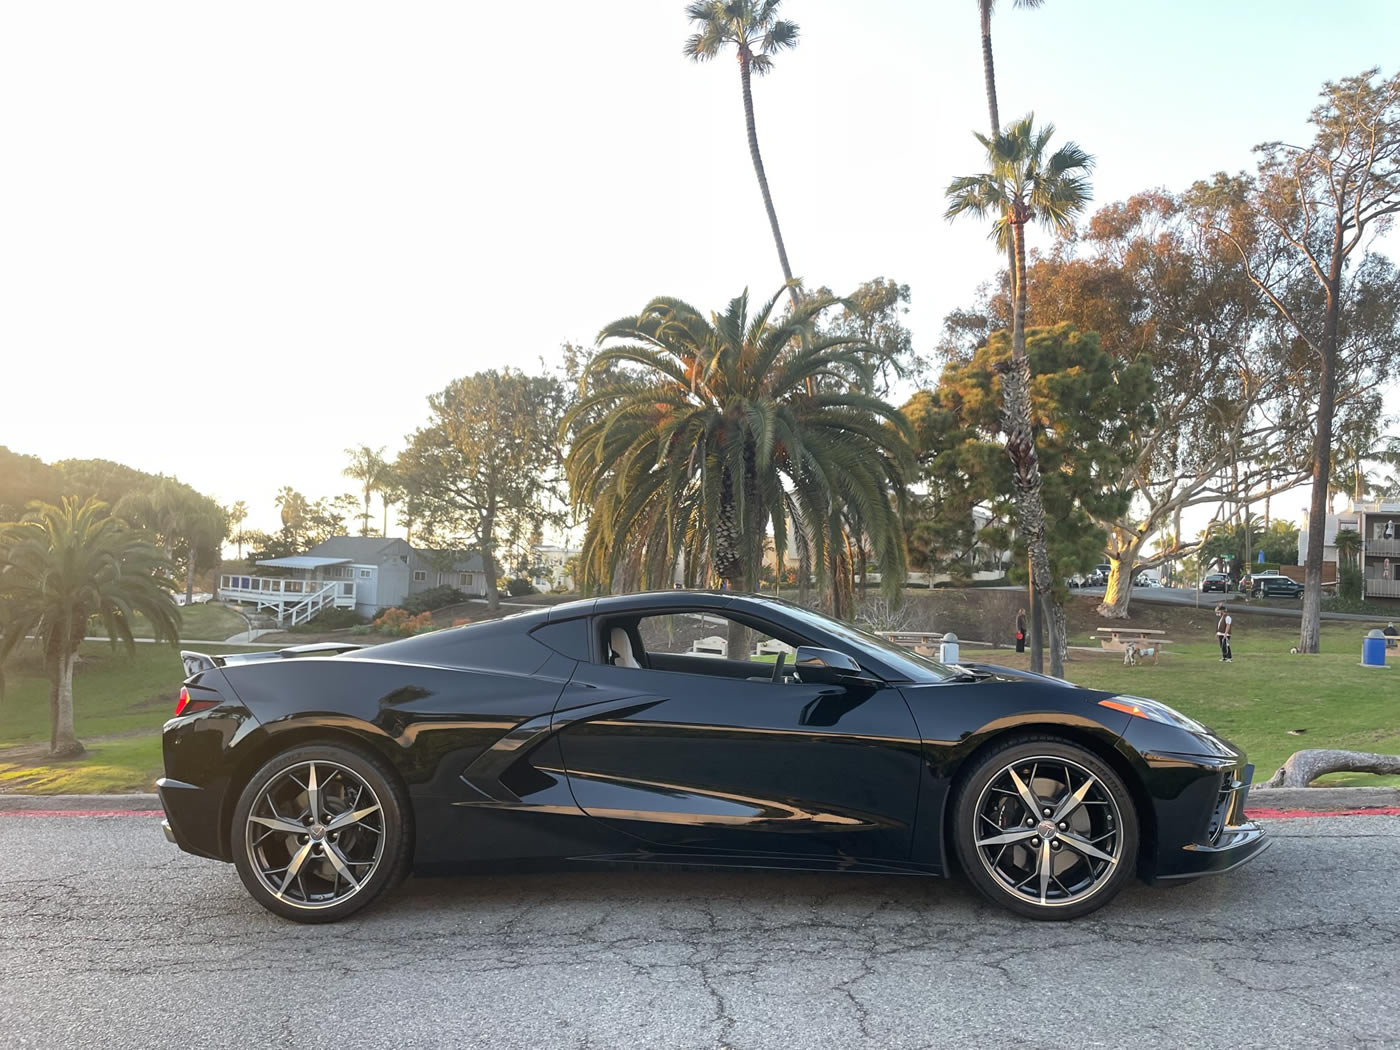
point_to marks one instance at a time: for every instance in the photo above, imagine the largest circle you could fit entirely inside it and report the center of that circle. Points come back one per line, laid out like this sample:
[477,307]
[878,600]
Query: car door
[730,762]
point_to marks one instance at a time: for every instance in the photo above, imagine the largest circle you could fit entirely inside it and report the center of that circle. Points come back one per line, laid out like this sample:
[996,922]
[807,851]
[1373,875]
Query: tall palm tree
[60,567]
[237,515]
[692,436]
[757,33]
[1025,183]
[367,466]
[985,8]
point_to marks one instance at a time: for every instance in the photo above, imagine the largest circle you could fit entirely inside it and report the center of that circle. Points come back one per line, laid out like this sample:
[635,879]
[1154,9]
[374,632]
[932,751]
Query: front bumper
[1229,839]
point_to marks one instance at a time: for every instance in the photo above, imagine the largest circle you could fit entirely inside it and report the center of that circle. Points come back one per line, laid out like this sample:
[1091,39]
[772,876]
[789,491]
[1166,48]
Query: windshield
[908,663]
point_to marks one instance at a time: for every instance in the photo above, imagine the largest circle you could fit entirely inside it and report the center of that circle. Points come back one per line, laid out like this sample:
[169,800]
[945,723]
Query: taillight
[188,705]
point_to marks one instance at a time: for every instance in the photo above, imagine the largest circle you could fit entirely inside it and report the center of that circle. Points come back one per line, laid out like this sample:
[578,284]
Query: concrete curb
[52,803]
[1321,800]
[1324,799]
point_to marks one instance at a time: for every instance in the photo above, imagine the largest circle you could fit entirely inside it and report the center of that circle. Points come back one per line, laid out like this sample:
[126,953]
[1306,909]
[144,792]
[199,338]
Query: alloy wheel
[315,834]
[1049,831]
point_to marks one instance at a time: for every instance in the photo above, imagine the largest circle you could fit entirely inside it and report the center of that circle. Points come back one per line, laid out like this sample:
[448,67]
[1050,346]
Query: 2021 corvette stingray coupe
[686,728]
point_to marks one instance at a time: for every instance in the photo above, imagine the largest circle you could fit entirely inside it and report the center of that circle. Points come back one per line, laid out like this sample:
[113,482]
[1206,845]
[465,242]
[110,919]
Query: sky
[236,239]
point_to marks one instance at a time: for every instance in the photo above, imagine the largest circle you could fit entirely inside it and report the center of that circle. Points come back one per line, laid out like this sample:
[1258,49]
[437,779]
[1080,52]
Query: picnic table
[1135,643]
[925,643]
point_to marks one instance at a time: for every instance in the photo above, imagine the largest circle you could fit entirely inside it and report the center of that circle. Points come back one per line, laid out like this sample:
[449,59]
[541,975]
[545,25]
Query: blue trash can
[1373,650]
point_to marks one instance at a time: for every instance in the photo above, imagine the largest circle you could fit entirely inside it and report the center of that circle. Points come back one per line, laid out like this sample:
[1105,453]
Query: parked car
[1216,581]
[1275,587]
[595,732]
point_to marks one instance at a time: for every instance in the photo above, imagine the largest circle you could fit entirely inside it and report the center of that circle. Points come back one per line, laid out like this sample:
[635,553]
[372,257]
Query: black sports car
[685,728]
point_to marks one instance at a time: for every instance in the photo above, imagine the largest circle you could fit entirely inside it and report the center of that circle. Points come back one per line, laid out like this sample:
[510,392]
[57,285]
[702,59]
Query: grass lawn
[1256,699]
[120,702]
[211,621]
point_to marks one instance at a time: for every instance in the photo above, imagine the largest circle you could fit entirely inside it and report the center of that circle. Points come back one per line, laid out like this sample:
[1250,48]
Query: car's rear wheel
[320,831]
[1045,828]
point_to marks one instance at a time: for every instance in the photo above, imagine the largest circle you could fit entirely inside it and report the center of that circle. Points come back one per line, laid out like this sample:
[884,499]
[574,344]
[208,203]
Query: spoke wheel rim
[1048,831]
[315,834]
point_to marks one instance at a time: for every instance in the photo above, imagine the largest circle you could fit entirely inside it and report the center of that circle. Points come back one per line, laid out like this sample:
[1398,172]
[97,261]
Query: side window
[704,634]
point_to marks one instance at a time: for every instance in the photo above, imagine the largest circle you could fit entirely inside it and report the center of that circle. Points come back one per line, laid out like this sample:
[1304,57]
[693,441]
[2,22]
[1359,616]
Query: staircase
[311,605]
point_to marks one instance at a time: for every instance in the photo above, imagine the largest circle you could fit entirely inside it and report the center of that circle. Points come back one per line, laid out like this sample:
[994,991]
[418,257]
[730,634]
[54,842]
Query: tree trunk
[757,158]
[1020,447]
[65,739]
[189,574]
[1119,589]
[386,515]
[1303,767]
[488,558]
[1310,635]
[989,75]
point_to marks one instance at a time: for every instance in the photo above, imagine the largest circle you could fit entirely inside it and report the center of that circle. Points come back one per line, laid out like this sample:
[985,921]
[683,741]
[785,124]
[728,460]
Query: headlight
[1139,707]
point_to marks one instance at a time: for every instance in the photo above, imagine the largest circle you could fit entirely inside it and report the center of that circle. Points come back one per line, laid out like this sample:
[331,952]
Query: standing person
[1021,630]
[1224,621]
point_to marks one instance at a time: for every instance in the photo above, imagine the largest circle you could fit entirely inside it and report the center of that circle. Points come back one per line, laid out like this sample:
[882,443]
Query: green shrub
[1349,584]
[518,587]
[330,620]
[434,598]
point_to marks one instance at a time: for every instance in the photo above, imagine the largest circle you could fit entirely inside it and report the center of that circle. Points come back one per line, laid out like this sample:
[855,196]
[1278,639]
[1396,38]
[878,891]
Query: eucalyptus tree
[1311,208]
[62,567]
[1025,183]
[757,34]
[693,436]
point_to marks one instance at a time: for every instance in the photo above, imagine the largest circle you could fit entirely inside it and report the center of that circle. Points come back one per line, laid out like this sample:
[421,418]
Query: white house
[364,573]
[551,562]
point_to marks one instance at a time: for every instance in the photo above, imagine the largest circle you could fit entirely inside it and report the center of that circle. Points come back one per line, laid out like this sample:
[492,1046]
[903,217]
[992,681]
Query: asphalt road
[109,937]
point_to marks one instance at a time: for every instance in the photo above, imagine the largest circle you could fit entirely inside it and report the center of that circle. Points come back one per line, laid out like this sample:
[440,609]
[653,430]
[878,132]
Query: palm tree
[367,466]
[757,34]
[1348,547]
[237,515]
[985,8]
[692,436]
[204,527]
[61,566]
[1024,184]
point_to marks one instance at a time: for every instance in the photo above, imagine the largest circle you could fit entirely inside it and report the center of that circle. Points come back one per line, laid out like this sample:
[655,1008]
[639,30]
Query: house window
[420,576]
[466,578]
[364,574]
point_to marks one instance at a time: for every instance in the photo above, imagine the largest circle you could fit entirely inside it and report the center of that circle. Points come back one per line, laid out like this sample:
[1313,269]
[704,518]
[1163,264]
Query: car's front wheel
[1044,827]
[320,831]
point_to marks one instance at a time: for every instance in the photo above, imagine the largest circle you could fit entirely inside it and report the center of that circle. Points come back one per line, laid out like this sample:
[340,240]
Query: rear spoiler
[197,662]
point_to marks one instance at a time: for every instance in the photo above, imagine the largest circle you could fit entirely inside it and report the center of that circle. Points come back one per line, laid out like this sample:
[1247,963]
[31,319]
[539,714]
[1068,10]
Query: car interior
[623,643]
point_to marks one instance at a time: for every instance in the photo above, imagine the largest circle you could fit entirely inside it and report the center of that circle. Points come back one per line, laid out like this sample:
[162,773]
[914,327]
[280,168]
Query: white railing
[311,605]
[1379,548]
[285,594]
[1378,588]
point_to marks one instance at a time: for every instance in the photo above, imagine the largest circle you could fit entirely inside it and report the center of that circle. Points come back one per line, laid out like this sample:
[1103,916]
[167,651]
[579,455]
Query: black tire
[981,801]
[384,847]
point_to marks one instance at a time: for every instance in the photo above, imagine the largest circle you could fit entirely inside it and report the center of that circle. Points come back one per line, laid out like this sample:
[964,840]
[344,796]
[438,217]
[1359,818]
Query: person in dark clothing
[1224,621]
[1021,630]
[1391,634]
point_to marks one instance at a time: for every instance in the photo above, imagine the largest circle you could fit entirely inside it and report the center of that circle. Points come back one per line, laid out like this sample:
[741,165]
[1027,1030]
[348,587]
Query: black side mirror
[814,664]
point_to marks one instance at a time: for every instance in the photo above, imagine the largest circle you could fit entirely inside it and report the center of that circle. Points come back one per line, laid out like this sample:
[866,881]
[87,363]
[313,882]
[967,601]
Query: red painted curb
[1290,814]
[82,813]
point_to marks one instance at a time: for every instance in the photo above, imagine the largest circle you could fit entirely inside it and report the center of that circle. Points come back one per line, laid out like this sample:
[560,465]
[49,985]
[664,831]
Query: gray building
[364,573]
